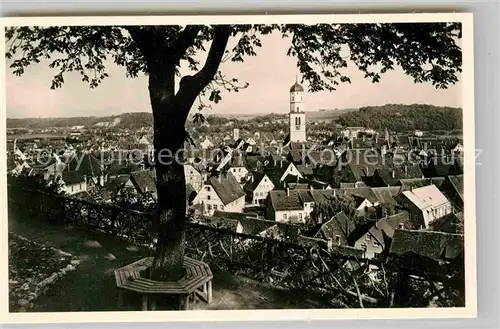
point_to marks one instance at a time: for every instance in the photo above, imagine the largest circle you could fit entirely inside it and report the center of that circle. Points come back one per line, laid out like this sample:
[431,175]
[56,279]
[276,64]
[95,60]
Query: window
[221,207]
[239,169]
[368,237]
[300,216]
[208,197]
[191,172]
[265,180]
[375,244]
[363,246]
[337,239]
[284,216]
[209,207]
[207,188]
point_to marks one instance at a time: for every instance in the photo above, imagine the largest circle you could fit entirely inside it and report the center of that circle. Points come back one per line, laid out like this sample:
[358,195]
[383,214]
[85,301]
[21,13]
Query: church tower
[297,114]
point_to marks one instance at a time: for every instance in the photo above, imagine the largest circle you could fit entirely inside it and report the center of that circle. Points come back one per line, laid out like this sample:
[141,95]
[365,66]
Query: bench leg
[120,298]
[144,302]
[152,302]
[205,288]
[184,302]
[209,292]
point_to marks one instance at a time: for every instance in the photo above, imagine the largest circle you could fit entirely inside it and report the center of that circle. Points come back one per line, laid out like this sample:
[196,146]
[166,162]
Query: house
[206,144]
[89,166]
[257,188]
[238,167]
[453,188]
[72,182]
[337,229]
[142,182]
[289,206]
[292,170]
[386,204]
[390,177]
[193,177]
[429,244]
[413,183]
[115,184]
[221,192]
[377,238]
[352,132]
[439,167]
[424,204]
[363,206]
[451,223]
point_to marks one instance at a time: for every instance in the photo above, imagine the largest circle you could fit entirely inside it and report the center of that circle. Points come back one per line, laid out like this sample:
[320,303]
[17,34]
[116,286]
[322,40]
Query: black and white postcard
[204,168]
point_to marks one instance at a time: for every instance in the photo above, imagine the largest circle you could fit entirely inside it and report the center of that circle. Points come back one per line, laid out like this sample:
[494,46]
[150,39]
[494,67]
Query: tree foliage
[398,117]
[325,209]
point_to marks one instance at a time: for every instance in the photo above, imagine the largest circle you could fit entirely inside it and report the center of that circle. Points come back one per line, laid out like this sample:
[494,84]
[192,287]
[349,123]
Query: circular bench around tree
[196,280]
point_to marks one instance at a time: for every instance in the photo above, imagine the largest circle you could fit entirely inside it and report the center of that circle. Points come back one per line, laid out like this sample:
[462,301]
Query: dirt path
[92,287]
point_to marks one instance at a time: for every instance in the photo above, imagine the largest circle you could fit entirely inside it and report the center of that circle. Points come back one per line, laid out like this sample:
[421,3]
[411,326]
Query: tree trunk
[169,115]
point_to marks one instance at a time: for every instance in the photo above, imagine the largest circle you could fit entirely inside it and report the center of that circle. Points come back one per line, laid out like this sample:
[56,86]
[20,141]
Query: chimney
[329,244]
[425,146]
[219,177]
[406,170]
[281,163]
[334,192]
[393,173]
[363,137]
[287,191]
[251,178]
[297,178]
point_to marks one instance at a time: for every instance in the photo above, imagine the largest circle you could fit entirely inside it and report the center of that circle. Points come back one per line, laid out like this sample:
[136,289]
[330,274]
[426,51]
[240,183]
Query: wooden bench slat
[197,273]
[192,287]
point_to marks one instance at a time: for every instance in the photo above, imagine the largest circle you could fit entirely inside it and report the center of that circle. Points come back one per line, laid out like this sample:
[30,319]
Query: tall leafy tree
[426,52]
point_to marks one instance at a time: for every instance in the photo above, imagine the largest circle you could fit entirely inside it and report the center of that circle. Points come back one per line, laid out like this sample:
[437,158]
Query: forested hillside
[398,117]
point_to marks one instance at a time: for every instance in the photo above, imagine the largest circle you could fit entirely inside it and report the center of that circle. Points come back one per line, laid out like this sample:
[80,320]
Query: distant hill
[395,117]
[326,115]
[125,120]
[398,117]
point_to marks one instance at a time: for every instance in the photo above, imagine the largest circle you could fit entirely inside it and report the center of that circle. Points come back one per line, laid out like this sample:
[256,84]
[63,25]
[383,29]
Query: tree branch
[139,36]
[184,41]
[215,54]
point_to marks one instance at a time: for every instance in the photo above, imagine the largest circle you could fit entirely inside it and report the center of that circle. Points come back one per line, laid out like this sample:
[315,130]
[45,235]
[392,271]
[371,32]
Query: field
[34,136]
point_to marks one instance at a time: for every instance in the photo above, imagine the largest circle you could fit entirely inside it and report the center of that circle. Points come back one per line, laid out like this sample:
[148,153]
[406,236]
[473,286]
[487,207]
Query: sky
[269,74]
